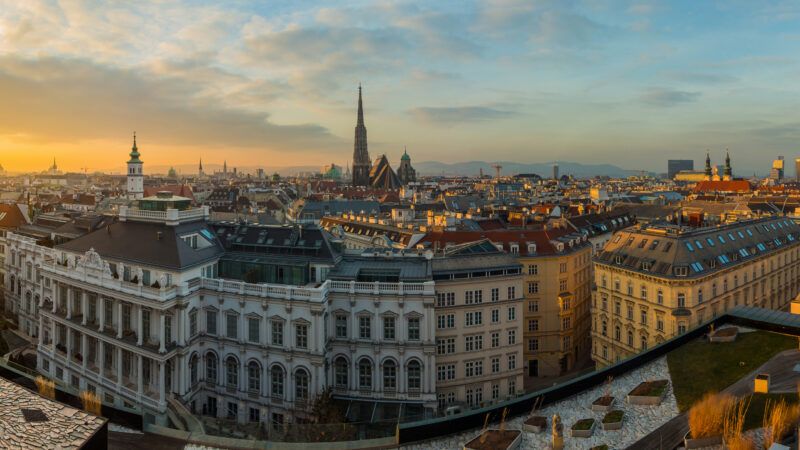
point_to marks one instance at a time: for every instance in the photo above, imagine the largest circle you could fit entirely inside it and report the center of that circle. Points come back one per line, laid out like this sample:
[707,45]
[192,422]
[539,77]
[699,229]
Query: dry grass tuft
[47,388]
[779,417]
[707,416]
[733,427]
[91,403]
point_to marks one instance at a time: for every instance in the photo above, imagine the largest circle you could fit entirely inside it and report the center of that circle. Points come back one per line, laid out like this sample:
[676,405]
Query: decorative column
[140,377]
[180,325]
[139,326]
[119,365]
[119,319]
[161,333]
[84,352]
[84,311]
[101,311]
[161,382]
[70,294]
[56,296]
[102,363]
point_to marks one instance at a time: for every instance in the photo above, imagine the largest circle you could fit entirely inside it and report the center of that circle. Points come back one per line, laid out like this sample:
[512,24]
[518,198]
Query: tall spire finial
[360,107]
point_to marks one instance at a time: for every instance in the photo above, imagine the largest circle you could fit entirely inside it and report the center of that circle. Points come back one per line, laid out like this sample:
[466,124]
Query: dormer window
[681,271]
[617,259]
[531,249]
[646,266]
[514,249]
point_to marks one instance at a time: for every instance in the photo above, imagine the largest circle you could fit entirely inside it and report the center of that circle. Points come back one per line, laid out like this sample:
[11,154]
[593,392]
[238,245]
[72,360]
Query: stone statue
[558,433]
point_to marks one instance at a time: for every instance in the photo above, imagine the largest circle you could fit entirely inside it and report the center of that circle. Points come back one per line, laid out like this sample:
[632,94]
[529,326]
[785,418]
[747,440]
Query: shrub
[707,416]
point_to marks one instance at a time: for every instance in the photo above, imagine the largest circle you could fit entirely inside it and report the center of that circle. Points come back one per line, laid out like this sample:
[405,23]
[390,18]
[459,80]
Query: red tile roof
[11,217]
[542,238]
[723,186]
[180,190]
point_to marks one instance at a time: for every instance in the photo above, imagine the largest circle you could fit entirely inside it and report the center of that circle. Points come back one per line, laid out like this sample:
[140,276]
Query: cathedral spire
[134,150]
[361,161]
[708,164]
[728,170]
[360,108]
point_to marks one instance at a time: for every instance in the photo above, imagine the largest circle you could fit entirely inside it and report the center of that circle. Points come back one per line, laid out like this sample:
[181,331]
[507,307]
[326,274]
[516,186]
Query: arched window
[365,374]
[340,375]
[644,342]
[28,306]
[193,369]
[301,385]
[389,375]
[253,377]
[276,384]
[211,368]
[231,372]
[630,338]
[414,375]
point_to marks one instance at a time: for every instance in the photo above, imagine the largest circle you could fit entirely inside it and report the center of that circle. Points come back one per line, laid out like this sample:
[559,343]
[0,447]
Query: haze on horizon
[275,84]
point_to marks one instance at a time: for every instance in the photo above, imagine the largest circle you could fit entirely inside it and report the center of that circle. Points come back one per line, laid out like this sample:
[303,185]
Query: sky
[274,83]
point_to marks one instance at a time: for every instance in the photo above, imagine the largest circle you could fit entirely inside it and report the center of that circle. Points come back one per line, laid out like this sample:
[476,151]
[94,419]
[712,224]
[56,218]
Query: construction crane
[497,168]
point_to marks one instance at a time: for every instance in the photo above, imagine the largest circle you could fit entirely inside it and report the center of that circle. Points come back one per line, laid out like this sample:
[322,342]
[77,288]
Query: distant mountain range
[439,168]
[512,168]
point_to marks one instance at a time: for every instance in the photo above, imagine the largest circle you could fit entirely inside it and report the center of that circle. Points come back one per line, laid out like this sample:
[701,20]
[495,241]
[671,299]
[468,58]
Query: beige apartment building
[655,281]
[557,283]
[478,327]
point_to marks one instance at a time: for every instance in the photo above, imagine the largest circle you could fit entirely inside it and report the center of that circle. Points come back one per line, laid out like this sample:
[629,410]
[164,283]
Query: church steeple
[135,173]
[361,161]
[134,151]
[728,172]
[708,164]
[360,120]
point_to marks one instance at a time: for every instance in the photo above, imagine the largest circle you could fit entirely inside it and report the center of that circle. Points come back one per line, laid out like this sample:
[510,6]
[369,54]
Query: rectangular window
[301,335]
[512,362]
[253,329]
[512,337]
[533,345]
[473,318]
[193,323]
[495,294]
[495,315]
[495,339]
[364,327]
[277,332]
[562,285]
[533,306]
[341,326]
[533,325]
[512,313]
[495,364]
[512,293]
[533,287]
[231,326]
[146,325]
[413,328]
[388,329]
[211,322]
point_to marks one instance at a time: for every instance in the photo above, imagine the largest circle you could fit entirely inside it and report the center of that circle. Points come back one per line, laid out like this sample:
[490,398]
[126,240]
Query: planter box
[761,383]
[582,433]
[724,335]
[690,443]
[616,424]
[602,404]
[535,424]
[496,439]
[649,393]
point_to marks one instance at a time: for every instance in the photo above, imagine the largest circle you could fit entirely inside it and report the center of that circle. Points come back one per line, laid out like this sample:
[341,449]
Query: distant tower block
[555,171]
[497,168]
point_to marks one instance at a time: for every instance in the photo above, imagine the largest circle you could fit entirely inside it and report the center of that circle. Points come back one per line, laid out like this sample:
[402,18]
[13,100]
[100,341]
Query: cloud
[57,100]
[702,77]
[453,115]
[664,97]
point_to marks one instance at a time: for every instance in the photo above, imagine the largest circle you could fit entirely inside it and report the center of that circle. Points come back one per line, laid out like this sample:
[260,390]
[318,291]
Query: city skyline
[520,81]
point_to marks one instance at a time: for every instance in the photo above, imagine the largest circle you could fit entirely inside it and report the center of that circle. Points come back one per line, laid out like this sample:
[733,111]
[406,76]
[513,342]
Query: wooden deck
[783,379]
